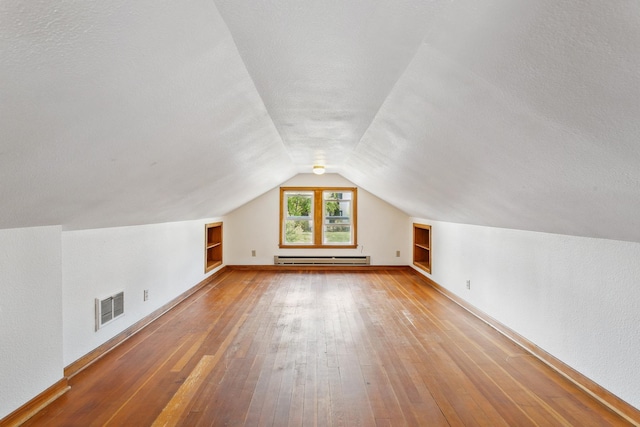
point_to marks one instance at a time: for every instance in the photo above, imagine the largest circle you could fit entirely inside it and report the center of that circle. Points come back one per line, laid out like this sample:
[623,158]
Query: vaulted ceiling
[507,113]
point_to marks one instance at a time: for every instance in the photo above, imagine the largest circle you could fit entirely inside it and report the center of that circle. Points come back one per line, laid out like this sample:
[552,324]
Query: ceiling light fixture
[318,169]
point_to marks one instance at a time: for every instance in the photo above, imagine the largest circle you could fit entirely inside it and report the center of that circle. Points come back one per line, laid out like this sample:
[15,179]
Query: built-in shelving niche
[422,246]
[213,246]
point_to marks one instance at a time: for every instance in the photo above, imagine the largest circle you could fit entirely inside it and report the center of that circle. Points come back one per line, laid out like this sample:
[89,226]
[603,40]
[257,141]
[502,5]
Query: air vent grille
[108,309]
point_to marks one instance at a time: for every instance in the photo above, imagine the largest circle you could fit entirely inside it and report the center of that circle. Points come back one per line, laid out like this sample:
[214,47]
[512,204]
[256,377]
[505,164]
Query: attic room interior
[507,129]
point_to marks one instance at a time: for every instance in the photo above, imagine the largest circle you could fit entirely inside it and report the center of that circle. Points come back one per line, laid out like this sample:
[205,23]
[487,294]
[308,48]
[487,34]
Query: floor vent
[108,309]
[321,260]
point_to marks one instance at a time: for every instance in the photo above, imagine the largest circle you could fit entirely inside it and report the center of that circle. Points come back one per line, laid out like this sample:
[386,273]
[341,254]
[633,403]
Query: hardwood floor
[320,348]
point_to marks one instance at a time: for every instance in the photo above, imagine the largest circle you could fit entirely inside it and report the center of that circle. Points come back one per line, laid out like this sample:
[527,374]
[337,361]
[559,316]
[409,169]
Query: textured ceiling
[123,112]
[504,113]
[324,68]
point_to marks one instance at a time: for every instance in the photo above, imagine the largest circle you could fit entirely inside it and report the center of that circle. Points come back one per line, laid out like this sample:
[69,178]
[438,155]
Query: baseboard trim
[35,405]
[89,358]
[317,267]
[608,399]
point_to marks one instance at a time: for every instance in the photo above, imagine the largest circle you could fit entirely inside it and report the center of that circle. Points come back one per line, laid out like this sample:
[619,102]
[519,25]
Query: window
[318,217]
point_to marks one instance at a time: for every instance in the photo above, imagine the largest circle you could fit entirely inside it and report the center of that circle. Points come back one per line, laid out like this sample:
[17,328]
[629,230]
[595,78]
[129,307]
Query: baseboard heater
[321,260]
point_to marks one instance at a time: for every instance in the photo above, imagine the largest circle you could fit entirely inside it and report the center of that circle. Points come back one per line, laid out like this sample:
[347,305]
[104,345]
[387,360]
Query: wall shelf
[422,246]
[213,246]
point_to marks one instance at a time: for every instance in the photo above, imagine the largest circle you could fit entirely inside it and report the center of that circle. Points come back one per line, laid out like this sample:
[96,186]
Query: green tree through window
[299,205]
[299,218]
[333,207]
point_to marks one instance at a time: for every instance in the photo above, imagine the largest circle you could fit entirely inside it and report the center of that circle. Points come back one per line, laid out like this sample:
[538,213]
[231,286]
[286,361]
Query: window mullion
[318,218]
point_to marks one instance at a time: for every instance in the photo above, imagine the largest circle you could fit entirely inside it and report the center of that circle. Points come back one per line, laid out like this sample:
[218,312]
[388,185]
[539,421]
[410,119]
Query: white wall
[577,298]
[167,259]
[30,314]
[255,226]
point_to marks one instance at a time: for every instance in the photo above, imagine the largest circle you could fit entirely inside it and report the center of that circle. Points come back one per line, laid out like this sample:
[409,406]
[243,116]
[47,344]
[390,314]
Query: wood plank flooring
[321,348]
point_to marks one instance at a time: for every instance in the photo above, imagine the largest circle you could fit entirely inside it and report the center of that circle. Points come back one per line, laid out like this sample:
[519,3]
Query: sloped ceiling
[122,112]
[519,114]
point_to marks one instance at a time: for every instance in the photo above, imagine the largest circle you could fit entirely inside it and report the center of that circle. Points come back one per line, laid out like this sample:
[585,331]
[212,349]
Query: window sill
[317,246]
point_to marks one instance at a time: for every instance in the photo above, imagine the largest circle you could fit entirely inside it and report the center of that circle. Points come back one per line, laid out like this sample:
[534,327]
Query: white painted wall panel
[255,226]
[167,259]
[30,314]
[575,297]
